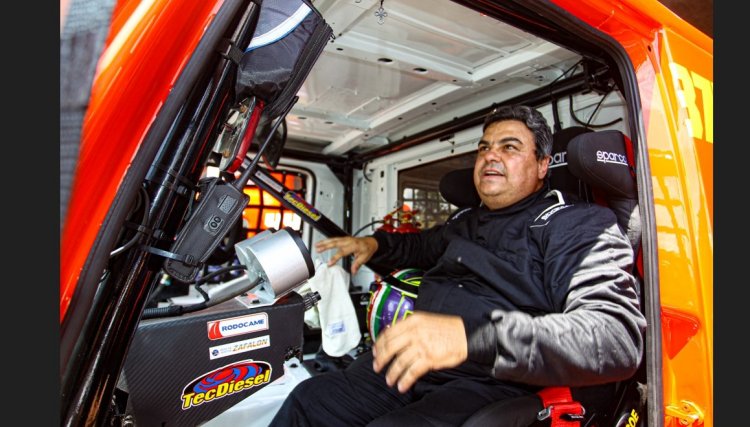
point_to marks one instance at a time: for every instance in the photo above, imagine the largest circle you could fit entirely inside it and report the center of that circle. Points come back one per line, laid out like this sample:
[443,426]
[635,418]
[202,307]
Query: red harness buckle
[560,407]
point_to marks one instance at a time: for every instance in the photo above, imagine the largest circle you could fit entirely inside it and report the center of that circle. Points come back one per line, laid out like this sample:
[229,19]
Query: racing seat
[597,167]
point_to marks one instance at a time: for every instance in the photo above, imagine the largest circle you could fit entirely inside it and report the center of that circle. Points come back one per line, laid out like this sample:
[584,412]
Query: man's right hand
[361,247]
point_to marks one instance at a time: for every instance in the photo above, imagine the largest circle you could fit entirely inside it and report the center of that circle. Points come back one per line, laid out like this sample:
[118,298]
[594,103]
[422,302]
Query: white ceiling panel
[425,59]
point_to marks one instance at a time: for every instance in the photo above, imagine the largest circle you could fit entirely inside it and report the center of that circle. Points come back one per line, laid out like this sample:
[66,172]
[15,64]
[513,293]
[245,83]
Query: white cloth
[336,316]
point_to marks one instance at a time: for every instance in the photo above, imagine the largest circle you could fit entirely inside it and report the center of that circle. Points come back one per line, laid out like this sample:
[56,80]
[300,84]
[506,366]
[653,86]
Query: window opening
[419,193]
[263,211]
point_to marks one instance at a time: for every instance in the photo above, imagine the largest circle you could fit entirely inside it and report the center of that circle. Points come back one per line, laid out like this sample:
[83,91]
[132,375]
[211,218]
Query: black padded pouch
[289,37]
[219,206]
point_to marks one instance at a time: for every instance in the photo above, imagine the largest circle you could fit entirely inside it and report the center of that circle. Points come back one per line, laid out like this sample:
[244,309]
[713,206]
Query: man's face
[506,169]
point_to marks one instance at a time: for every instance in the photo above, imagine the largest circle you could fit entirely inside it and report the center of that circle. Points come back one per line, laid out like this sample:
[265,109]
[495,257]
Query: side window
[419,192]
[263,211]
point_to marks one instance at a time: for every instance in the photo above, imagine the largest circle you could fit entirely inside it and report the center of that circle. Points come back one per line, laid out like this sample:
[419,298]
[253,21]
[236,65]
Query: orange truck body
[674,65]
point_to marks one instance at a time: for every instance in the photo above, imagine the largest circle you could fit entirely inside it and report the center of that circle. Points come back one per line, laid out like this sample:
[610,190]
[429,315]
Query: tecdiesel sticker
[218,329]
[225,381]
[302,205]
[230,349]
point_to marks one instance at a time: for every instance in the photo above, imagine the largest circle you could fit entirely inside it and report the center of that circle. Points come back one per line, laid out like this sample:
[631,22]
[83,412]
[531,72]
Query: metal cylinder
[280,259]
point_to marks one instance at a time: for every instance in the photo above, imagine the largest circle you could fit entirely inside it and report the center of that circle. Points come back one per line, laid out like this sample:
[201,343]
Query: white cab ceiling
[425,62]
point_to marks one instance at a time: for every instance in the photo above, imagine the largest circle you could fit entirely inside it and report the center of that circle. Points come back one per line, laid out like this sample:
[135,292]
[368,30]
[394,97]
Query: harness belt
[560,407]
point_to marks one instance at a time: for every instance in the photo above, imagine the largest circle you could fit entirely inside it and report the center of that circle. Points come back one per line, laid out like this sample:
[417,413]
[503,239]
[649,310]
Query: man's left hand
[420,343]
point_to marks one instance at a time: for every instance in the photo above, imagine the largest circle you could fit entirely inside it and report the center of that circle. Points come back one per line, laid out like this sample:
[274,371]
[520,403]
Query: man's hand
[420,343]
[362,247]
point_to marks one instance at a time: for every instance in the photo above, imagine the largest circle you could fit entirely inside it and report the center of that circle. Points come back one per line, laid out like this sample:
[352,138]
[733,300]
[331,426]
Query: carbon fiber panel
[187,370]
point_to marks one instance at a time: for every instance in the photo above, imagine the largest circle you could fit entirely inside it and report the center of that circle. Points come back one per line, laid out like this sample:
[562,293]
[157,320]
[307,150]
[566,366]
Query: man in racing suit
[531,289]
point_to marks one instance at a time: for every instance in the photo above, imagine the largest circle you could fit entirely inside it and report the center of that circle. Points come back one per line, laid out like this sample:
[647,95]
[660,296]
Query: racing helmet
[392,298]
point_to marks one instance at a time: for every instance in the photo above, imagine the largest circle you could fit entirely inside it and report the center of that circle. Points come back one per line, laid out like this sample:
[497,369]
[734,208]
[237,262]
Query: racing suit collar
[521,204]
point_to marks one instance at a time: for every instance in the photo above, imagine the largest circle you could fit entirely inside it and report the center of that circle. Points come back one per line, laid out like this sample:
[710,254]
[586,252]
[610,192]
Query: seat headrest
[457,188]
[601,160]
[561,177]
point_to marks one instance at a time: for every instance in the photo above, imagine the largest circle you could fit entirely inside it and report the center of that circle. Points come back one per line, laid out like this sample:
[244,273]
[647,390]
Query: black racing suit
[546,295]
[544,289]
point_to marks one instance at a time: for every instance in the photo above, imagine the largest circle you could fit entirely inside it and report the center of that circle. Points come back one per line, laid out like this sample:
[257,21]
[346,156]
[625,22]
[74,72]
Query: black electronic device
[220,206]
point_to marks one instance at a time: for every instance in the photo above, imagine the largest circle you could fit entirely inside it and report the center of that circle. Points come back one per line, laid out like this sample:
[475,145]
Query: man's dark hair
[532,118]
